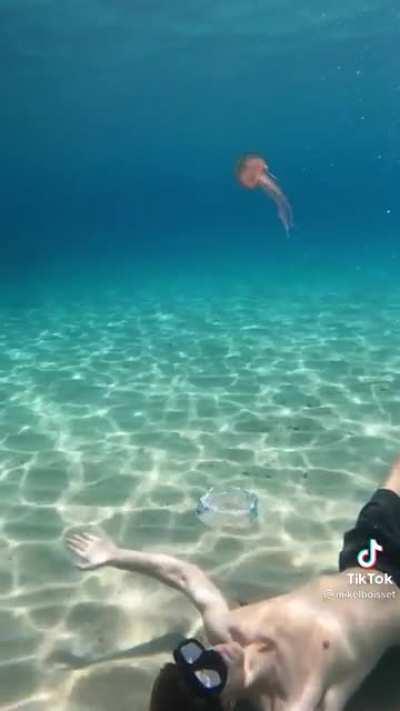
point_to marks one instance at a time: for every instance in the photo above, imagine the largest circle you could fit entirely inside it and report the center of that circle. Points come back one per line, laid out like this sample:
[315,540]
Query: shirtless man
[307,650]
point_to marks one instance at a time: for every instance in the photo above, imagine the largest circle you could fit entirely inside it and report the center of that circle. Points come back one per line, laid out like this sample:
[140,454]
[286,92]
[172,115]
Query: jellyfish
[252,172]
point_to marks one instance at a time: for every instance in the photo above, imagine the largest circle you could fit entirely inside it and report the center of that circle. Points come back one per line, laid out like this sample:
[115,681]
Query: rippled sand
[122,416]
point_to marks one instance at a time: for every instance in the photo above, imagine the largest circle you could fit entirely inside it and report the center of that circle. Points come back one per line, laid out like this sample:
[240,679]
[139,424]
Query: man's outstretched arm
[94,552]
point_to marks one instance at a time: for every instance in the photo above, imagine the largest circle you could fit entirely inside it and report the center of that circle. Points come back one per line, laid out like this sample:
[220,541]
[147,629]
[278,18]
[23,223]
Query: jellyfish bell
[252,172]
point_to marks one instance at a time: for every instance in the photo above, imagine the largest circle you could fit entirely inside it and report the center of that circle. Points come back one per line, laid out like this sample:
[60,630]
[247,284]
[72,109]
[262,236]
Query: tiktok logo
[368,556]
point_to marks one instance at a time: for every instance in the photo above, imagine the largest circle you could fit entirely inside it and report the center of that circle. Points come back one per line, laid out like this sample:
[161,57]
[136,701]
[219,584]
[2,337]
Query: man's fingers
[76,541]
[85,536]
[81,545]
[77,548]
[78,538]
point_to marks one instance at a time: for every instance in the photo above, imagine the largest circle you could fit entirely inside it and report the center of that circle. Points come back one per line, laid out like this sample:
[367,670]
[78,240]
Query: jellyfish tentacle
[284,208]
[285,212]
[285,216]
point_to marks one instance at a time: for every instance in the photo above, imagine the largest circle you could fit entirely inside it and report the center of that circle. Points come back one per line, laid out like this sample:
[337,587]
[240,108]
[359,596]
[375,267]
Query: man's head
[173,691]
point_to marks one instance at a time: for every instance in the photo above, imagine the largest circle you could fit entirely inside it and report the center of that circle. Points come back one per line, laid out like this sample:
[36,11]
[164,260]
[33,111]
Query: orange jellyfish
[252,172]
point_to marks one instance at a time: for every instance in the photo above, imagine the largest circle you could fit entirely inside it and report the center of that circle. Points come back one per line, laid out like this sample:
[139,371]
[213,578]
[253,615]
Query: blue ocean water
[159,330]
[121,124]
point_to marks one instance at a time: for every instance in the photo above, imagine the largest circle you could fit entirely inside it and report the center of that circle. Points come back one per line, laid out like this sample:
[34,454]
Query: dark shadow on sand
[379,692]
[164,643]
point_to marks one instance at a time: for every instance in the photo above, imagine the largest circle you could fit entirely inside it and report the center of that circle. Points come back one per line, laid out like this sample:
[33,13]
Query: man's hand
[95,551]
[92,551]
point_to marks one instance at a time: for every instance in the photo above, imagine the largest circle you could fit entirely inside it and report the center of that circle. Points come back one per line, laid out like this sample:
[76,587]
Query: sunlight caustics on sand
[122,417]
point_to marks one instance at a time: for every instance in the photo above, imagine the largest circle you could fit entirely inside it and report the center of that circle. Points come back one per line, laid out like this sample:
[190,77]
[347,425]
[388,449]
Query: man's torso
[335,627]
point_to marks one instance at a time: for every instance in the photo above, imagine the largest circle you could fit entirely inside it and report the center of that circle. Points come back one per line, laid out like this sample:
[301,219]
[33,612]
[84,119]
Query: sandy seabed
[120,417]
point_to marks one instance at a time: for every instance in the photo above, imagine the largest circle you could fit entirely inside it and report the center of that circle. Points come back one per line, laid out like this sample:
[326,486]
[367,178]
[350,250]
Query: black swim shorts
[378,519]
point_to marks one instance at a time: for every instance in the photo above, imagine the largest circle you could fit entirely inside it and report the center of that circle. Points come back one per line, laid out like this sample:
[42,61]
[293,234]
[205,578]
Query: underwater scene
[199,266]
